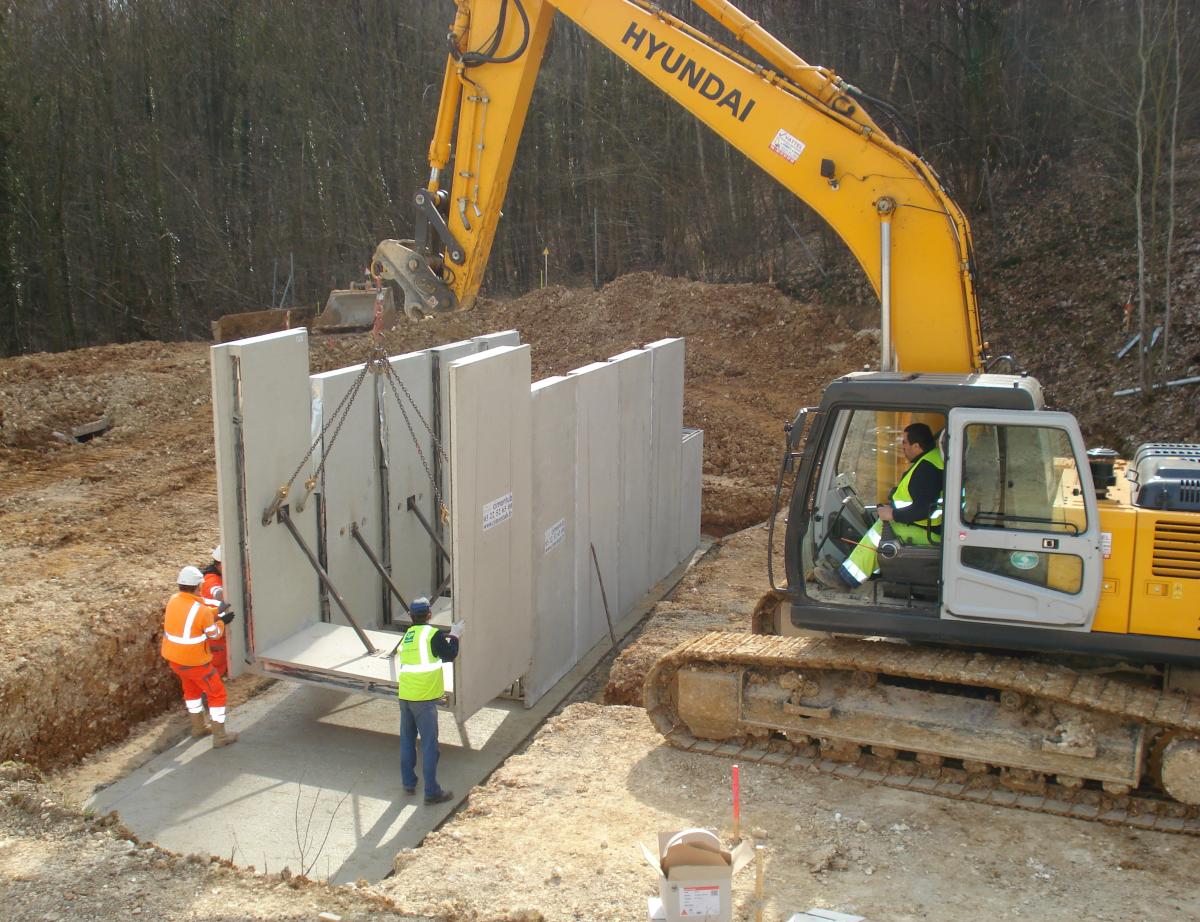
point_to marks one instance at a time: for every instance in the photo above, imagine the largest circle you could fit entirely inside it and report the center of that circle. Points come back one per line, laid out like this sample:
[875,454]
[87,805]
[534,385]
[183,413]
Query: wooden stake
[758,883]
[737,806]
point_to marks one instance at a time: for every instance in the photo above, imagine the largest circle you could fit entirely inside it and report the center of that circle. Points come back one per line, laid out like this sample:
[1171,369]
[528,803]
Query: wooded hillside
[164,162]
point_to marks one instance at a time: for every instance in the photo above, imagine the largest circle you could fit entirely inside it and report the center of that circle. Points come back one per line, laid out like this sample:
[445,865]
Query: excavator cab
[1020,546]
[865,462]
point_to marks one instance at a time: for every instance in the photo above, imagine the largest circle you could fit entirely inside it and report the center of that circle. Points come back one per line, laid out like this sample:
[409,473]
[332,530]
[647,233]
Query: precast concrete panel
[553,547]
[494,340]
[443,357]
[665,449]
[261,409]
[634,472]
[491,516]
[411,550]
[597,499]
[691,484]
[350,491]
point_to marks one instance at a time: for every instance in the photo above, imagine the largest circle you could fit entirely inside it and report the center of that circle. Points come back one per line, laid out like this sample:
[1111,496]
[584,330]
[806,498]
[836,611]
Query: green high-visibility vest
[420,670]
[901,498]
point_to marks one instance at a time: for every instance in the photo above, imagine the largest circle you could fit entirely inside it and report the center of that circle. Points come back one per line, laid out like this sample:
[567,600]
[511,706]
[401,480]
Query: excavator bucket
[350,309]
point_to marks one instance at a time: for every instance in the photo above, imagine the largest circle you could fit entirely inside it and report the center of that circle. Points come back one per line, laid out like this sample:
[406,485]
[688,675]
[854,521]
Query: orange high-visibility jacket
[189,624]
[211,581]
[212,591]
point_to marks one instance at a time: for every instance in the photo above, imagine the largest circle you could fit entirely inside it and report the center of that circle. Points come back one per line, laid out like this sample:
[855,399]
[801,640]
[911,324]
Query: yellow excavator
[1038,650]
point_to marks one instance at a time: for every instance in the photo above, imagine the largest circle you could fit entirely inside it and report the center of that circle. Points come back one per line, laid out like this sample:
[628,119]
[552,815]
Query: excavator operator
[914,508]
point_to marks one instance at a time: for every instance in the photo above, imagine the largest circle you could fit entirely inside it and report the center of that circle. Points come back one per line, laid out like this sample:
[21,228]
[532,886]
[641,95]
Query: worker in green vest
[914,508]
[422,652]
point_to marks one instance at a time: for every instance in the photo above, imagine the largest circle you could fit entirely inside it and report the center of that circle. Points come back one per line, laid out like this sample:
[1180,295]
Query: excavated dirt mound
[95,532]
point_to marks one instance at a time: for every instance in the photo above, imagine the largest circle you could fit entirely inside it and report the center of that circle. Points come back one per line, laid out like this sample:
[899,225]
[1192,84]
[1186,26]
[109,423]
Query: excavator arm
[800,123]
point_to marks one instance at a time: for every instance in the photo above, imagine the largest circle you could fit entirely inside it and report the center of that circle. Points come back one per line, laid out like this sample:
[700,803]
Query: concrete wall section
[411,550]
[665,447]
[597,500]
[261,407]
[633,509]
[494,340]
[691,483]
[553,546]
[491,519]
[443,357]
[350,493]
[604,445]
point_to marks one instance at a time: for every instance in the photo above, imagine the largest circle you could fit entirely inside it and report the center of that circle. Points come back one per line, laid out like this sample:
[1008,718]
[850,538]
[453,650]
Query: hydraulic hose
[476,58]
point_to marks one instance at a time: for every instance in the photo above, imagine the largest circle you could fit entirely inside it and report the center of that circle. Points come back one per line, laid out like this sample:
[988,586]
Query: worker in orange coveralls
[189,624]
[212,590]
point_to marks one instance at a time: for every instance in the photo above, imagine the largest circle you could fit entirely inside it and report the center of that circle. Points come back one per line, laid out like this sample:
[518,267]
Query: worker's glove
[457,628]
[228,614]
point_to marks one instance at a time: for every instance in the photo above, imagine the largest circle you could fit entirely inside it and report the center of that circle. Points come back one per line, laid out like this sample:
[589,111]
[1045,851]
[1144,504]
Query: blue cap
[419,604]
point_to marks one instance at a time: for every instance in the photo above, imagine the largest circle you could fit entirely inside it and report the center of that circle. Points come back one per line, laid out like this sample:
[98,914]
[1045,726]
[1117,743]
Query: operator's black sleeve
[444,646]
[925,486]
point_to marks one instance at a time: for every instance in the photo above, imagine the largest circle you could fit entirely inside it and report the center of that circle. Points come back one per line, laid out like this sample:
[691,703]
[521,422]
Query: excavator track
[1031,735]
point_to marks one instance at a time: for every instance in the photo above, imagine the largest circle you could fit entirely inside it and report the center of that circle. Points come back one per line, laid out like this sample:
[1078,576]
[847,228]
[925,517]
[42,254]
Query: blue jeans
[419,718]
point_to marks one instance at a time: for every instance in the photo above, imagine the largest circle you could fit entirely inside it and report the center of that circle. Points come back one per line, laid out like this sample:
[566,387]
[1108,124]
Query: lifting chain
[394,382]
[338,417]
[377,362]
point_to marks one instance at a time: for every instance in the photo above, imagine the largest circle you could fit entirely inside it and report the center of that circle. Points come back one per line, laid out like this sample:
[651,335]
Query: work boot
[441,798]
[199,727]
[830,578]
[221,736]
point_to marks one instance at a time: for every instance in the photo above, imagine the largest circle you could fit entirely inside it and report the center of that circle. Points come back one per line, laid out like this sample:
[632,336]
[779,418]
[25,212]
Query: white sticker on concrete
[497,511]
[788,146]
[555,535]
[702,902]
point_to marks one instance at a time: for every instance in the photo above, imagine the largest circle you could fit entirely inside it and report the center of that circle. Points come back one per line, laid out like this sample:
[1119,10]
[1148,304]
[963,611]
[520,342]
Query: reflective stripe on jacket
[901,498]
[211,583]
[212,590]
[188,625]
[420,670]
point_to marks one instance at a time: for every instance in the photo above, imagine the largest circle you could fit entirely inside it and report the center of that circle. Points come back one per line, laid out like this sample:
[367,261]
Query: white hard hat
[190,576]
[217,553]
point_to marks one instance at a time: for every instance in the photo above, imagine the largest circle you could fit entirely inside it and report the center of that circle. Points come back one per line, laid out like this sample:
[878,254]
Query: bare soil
[92,534]
[555,833]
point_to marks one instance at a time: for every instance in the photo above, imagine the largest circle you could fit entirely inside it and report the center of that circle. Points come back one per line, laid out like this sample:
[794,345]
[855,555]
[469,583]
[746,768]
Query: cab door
[1022,531]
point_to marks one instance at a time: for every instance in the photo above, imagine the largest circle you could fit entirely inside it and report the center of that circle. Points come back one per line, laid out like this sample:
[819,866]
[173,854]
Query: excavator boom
[801,124]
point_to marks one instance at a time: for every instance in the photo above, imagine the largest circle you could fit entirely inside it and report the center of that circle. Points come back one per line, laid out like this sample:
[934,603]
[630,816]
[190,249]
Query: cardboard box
[695,875]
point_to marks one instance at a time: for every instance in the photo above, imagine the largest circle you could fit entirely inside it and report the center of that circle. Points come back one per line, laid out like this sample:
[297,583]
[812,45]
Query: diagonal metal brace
[412,507]
[362,542]
[285,517]
[443,586]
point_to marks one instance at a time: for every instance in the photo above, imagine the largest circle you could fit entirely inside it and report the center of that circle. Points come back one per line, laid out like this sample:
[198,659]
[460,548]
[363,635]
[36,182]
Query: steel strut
[285,517]
[412,507]
[362,542]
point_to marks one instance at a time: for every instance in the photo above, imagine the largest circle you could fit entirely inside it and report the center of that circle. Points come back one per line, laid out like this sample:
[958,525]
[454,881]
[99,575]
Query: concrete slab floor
[313,784]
